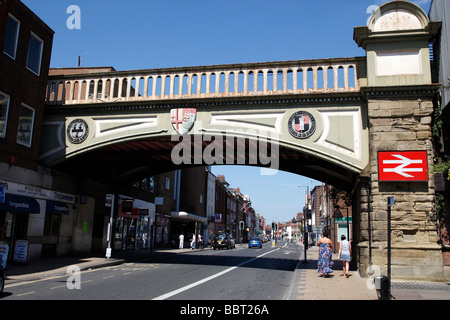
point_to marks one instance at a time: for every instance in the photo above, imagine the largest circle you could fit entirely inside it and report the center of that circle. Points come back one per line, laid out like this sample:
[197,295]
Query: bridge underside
[132,160]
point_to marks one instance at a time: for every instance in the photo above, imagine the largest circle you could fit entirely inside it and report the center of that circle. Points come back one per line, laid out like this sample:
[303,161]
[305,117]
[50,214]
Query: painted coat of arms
[183,119]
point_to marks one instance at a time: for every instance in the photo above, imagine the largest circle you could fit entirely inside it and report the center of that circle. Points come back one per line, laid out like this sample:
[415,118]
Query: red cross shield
[183,119]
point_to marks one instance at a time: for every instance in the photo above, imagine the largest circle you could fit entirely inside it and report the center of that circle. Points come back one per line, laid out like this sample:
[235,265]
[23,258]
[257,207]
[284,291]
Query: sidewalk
[309,286]
[51,267]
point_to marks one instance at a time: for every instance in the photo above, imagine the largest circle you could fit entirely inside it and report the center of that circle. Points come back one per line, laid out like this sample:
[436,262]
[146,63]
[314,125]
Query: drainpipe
[177,188]
[369,186]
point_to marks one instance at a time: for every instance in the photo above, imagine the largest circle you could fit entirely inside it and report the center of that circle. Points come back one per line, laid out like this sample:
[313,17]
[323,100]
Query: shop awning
[55,207]
[14,203]
[181,215]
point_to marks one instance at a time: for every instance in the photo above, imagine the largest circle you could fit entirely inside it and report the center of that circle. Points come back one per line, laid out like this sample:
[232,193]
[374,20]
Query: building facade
[440,11]
[29,210]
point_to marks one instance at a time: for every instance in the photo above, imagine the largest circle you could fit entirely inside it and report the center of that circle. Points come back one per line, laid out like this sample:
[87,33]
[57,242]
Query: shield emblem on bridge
[183,119]
[302,125]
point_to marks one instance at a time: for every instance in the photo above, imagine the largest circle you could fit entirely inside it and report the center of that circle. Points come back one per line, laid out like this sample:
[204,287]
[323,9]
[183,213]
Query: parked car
[2,279]
[223,240]
[255,242]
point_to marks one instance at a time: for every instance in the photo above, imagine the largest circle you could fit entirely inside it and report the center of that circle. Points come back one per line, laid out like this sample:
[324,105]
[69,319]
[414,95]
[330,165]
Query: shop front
[188,224]
[133,224]
[14,215]
[33,215]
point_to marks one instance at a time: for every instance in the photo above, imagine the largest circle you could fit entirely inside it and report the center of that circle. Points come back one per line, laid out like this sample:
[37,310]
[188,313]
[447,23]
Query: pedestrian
[200,241]
[193,241]
[345,253]
[324,263]
[181,239]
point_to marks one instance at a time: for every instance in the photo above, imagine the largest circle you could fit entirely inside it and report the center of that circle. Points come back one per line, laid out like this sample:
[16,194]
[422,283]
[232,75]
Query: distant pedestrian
[345,253]
[181,239]
[200,241]
[193,242]
[324,263]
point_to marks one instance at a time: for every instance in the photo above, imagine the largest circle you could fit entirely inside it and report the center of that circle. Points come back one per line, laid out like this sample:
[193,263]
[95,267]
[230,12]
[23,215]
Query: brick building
[25,45]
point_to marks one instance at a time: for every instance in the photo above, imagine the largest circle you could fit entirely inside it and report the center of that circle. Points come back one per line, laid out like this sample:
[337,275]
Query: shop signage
[109,200]
[35,192]
[343,220]
[15,203]
[317,229]
[127,206]
[143,212]
[21,251]
[402,166]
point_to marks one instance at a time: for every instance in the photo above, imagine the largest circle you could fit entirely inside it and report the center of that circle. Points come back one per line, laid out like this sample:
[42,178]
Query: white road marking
[195,284]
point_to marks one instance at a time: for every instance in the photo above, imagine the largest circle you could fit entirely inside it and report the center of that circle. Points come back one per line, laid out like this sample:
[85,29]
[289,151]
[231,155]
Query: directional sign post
[402,166]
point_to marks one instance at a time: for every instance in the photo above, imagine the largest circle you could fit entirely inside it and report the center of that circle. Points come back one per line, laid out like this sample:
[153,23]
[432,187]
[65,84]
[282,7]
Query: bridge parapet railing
[220,81]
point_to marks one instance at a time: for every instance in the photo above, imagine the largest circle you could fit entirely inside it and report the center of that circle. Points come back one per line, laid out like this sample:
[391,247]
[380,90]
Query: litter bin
[383,287]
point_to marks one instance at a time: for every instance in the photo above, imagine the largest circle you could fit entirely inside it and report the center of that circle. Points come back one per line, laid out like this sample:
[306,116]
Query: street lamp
[305,233]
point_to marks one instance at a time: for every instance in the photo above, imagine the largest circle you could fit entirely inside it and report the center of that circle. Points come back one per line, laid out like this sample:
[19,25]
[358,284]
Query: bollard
[383,287]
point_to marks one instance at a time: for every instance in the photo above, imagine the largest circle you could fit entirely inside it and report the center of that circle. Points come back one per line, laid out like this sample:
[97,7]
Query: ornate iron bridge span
[127,117]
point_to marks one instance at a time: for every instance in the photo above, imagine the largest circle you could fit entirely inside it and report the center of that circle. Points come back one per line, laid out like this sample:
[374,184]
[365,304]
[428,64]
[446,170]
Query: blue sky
[145,34]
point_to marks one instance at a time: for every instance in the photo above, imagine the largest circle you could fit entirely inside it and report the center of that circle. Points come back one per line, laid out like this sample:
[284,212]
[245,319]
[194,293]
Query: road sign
[402,166]
[317,229]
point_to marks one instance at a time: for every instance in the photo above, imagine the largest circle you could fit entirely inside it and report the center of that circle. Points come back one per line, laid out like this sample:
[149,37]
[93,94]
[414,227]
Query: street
[236,274]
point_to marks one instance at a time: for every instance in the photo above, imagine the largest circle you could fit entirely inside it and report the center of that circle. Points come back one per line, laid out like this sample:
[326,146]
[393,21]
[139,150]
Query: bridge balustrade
[237,80]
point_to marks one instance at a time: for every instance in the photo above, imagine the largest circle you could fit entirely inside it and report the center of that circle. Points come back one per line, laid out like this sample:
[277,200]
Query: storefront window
[125,233]
[143,233]
[13,226]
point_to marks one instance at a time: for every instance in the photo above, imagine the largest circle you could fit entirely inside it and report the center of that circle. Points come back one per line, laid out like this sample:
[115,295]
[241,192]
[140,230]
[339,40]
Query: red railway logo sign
[402,166]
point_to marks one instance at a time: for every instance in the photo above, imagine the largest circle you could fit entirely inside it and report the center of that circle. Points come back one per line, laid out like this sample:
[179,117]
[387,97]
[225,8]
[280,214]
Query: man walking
[181,238]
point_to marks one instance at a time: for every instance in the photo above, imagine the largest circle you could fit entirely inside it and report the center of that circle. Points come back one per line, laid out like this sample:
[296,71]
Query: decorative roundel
[77,131]
[302,125]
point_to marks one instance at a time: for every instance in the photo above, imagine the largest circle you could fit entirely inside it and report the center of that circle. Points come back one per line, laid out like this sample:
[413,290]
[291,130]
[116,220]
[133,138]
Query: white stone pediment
[398,16]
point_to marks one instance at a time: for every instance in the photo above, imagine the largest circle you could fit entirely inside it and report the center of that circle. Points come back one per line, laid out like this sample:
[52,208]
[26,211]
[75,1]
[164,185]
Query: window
[26,122]
[4,107]
[35,54]
[11,36]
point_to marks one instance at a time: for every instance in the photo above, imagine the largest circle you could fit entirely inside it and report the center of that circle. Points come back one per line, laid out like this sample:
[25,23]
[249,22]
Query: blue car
[255,242]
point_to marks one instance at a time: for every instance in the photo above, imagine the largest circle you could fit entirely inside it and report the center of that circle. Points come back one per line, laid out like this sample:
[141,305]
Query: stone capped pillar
[399,96]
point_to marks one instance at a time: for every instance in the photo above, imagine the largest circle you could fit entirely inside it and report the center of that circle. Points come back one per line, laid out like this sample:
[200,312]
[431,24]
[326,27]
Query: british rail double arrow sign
[402,166]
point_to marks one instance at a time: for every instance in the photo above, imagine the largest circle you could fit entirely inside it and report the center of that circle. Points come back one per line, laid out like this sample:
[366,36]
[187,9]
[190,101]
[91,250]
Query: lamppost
[305,233]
